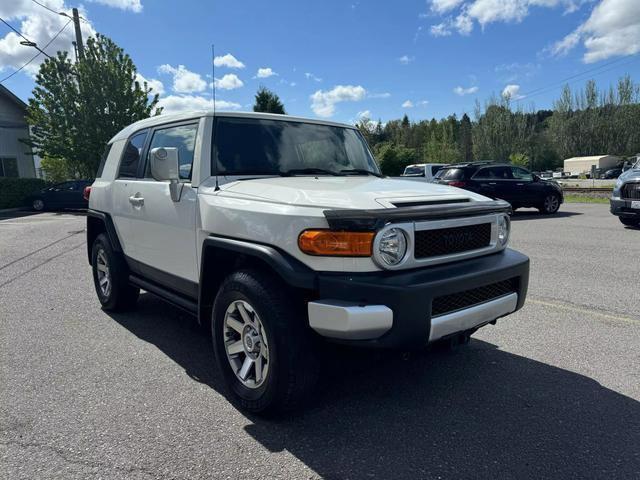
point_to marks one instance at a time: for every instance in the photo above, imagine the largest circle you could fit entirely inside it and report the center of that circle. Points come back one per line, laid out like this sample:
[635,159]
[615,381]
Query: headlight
[503,229]
[392,246]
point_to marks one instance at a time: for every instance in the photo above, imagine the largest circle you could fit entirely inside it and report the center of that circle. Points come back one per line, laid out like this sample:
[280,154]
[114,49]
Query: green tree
[519,159]
[268,102]
[56,169]
[77,107]
[466,141]
[393,159]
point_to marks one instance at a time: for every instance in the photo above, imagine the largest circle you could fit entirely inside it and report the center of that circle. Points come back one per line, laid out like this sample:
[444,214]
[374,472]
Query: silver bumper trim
[472,317]
[349,321]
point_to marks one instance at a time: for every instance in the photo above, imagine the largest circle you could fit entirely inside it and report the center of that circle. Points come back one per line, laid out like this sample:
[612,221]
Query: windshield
[414,171]
[250,146]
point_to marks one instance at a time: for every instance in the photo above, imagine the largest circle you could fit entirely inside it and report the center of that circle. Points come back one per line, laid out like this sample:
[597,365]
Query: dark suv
[516,185]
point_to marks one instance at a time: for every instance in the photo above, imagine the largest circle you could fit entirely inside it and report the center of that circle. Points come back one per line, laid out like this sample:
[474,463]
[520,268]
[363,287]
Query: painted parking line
[585,311]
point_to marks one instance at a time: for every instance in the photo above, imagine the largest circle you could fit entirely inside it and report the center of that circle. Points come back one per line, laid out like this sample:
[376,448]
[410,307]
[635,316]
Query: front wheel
[37,204]
[262,344]
[551,204]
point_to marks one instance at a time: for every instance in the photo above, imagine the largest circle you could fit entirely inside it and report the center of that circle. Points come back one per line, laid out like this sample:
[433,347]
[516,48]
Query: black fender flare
[216,250]
[109,227]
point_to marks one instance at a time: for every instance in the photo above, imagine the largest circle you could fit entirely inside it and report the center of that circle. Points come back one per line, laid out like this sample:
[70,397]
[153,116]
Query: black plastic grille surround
[631,191]
[445,241]
[468,298]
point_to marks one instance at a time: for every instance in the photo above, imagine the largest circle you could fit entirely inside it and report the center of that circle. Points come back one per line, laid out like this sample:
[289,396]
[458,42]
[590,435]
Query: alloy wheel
[38,204]
[551,203]
[245,343]
[104,277]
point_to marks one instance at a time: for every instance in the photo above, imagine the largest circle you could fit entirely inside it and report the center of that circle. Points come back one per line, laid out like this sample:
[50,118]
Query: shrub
[15,191]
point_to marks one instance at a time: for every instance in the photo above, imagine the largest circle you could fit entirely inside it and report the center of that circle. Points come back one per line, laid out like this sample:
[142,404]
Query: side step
[180,301]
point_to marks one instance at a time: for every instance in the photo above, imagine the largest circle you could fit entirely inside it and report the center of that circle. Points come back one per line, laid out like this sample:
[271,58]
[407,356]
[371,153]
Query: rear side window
[103,160]
[414,171]
[131,156]
[435,169]
[451,174]
[182,137]
[494,173]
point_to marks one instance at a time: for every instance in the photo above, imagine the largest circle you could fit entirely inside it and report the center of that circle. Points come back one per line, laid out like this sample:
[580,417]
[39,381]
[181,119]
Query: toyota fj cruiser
[279,232]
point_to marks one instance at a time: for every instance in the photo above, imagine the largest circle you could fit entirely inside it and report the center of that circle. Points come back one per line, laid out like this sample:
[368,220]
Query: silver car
[625,202]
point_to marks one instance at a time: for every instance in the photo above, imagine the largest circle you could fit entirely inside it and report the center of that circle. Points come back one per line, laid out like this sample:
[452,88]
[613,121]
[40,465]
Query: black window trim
[142,168]
[144,146]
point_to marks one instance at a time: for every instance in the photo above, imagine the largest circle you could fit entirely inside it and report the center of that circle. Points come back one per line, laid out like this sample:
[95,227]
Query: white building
[15,159]
[579,165]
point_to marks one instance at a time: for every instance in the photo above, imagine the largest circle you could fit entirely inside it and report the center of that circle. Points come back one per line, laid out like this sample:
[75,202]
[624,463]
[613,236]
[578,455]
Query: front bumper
[401,302]
[622,208]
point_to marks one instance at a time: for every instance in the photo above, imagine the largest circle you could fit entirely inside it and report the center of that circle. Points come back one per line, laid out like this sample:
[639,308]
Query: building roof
[11,96]
[178,117]
[592,158]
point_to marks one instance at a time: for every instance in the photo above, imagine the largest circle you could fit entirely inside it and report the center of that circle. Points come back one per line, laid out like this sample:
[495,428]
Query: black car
[60,196]
[516,185]
[612,173]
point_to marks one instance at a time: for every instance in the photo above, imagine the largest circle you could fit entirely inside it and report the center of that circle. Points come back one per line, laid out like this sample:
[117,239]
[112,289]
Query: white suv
[279,233]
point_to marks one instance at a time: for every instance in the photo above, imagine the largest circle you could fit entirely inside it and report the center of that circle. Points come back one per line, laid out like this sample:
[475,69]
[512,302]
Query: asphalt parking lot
[552,391]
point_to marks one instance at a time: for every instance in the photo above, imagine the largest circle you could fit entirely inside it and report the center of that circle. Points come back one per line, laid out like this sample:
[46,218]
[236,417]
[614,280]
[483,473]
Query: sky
[344,60]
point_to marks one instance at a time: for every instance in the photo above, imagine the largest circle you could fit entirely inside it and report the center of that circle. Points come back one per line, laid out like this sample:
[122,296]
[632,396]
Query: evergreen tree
[268,102]
[466,140]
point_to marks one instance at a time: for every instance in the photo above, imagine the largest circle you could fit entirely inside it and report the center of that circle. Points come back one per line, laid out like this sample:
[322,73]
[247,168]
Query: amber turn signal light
[339,244]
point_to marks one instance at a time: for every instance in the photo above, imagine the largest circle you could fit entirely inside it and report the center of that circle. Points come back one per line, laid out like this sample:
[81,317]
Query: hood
[353,192]
[631,174]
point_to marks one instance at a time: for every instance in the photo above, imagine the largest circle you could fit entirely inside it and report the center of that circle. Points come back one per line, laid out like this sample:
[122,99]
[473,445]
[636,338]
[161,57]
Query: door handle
[136,201]
[492,183]
[520,184]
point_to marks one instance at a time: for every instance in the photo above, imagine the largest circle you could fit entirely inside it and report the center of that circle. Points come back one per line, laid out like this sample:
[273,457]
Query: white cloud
[406,59]
[363,114]
[441,29]
[511,72]
[465,91]
[512,92]
[379,95]
[311,76]
[228,82]
[407,104]
[40,26]
[323,103]
[184,81]
[612,29]
[228,61]
[265,73]
[423,103]
[463,24]
[443,6]
[156,85]
[133,5]
[185,103]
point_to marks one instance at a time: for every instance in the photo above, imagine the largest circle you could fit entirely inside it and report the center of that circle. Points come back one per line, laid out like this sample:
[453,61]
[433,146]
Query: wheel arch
[97,223]
[221,256]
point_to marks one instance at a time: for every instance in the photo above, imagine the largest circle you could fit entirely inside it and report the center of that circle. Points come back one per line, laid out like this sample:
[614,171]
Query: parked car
[290,237]
[612,173]
[508,182]
[423,172]
[61,196]
[625,200]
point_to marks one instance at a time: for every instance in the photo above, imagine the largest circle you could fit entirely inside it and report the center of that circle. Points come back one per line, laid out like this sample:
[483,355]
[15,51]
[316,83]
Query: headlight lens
[392,246]
[504,225]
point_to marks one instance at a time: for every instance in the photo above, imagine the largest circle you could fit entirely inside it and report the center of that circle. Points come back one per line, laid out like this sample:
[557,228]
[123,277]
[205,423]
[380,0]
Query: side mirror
[165,165]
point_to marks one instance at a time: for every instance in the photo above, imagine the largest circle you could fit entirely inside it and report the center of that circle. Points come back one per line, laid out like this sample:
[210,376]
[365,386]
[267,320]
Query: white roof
[179,117]
[592,158]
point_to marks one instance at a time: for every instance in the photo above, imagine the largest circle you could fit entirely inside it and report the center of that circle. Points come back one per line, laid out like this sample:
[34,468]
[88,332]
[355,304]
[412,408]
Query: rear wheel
[111,277]
[262,345]
[37,204]
[630,222]
[551,204]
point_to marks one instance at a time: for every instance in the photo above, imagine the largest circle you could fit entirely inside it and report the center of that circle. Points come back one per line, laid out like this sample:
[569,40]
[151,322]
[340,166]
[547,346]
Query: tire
[282,343]
[550,204]
[116,294]
[630,222]
[38,205]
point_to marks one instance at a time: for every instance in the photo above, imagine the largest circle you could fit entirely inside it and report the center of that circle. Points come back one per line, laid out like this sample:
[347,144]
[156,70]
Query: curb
[10,210]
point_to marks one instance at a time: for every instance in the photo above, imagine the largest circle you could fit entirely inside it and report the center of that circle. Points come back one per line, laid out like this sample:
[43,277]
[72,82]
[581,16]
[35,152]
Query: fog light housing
[392,246]
[504,225]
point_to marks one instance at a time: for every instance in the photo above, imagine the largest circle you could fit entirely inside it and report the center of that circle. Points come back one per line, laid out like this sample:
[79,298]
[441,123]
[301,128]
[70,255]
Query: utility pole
[79,44]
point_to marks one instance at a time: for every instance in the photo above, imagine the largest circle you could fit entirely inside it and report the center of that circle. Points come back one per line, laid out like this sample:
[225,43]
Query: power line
[37,54]
[64,14]
[18,32]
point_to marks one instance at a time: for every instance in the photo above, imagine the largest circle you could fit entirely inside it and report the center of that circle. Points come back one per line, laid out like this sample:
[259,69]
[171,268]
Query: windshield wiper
[309,171]
[361,170]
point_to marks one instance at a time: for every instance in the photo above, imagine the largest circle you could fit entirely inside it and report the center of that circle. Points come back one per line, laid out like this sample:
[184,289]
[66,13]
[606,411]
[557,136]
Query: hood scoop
[429,202]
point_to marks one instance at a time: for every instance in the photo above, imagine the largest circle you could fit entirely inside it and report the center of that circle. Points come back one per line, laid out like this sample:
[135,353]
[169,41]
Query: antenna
[214,160]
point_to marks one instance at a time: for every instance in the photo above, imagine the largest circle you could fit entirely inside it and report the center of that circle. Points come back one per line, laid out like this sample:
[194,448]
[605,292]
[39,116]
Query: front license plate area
[635,204]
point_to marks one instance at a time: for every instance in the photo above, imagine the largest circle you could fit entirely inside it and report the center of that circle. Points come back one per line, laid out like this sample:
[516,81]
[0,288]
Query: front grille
[445,241]
[468,298]
[631,191]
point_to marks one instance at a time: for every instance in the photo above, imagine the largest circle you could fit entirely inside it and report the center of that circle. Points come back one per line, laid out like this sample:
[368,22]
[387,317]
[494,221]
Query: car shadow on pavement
[478,412]
[532,214]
